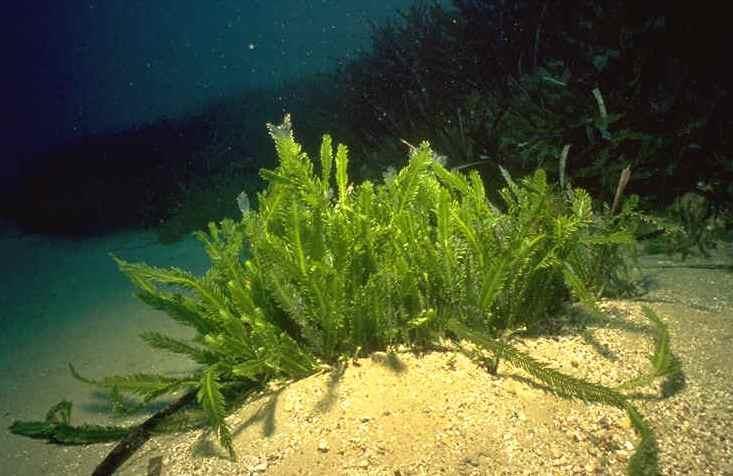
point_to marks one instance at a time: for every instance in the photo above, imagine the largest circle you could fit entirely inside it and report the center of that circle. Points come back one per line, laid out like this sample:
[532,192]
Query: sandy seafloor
[65,301]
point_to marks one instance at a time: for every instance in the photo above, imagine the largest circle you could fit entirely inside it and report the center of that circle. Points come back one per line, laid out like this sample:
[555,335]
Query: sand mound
[400,413]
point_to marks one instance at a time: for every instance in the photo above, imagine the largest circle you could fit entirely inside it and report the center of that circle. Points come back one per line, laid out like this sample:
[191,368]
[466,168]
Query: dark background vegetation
[487,82]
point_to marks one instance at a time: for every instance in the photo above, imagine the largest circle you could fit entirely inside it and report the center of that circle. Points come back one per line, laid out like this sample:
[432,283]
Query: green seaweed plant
[57,428]
[326,269]
[691,224]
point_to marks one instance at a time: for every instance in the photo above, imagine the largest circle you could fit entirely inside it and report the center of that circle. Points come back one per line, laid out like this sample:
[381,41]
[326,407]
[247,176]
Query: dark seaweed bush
[689,225]
[512,82]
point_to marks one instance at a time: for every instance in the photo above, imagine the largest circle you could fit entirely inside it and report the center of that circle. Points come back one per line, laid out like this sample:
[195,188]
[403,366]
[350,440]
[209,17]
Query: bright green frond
[211,399]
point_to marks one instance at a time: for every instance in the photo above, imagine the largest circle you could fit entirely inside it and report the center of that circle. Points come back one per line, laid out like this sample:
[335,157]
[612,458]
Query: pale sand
[65,301]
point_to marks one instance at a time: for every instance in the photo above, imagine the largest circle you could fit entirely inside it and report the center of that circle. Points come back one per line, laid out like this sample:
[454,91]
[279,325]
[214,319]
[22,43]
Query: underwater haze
[77,67]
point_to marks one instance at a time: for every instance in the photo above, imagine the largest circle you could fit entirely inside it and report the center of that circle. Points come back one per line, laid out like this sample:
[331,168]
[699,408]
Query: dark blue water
[77,67]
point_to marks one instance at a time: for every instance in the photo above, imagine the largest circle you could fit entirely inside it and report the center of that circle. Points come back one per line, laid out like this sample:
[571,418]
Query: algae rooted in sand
[336,269]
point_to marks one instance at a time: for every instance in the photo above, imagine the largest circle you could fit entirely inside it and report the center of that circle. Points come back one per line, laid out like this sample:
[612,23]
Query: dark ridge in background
[425,71]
